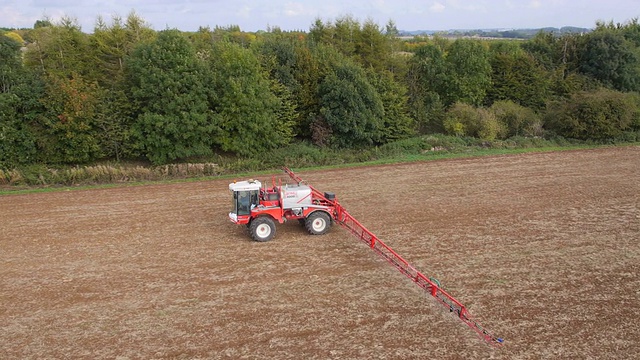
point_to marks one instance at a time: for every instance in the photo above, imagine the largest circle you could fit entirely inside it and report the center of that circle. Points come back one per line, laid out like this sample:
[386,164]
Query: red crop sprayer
[260,207]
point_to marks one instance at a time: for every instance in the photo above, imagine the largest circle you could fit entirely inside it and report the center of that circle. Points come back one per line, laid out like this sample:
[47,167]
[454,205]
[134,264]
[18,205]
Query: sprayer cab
[245,196]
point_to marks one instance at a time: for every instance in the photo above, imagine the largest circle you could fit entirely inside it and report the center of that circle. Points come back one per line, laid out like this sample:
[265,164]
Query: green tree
[246,112]
[397,63]
[426,80]
[469,70]
[234,34]
[351,107]
[560,58]
[611,59]
[61,49]
[398,59]
[373,47]
[313,64]
[517,77]
[111,45]
[544,49]
[321,33]
[202,40]
[367,43]
[10,63]
[17,144]
[396,122]
[114,121]
[168,86]
[278,56]
[42,23]
[631,31]
[346,31]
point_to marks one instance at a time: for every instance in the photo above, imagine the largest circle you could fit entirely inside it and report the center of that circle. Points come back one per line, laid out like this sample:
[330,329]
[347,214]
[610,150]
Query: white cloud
[535,4]
[472,6]
[295,9]
[244,11]
[437,7]
[510,4]
[9,17]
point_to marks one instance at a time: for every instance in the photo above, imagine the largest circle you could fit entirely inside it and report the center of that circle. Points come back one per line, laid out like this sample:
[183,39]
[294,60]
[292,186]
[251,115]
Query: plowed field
[543,249]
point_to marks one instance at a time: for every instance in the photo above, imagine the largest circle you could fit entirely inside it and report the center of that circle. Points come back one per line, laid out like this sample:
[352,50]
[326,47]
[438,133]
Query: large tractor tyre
[318,223]
[262,229]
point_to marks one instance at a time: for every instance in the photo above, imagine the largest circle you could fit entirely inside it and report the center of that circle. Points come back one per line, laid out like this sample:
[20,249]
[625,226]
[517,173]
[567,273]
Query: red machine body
[317,211]
[260,207]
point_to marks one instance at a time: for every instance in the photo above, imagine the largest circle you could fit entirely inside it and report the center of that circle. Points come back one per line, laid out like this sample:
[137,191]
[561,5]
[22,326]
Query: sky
[189,15]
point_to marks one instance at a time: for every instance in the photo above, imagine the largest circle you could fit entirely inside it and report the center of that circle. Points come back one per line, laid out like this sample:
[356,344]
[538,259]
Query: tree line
[128,92]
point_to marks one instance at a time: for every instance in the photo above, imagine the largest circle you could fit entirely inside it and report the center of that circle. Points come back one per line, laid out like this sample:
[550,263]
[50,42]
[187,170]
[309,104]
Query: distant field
[543,249]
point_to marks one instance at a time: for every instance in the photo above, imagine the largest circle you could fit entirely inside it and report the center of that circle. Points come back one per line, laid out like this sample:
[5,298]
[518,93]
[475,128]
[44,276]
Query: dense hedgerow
[40,175]
[298,155]
[603,115]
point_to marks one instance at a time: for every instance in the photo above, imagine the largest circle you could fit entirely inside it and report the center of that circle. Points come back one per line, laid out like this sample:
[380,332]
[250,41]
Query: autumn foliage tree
[69,121]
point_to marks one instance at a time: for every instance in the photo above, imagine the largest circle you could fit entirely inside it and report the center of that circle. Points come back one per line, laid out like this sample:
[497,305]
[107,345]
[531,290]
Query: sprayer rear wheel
[318,223]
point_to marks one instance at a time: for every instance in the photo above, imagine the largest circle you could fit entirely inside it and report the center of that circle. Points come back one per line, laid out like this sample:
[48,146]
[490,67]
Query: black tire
[318,223]
[262,229]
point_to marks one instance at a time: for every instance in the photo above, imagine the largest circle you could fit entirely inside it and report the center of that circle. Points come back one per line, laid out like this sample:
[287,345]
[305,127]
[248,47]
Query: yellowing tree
[15,36]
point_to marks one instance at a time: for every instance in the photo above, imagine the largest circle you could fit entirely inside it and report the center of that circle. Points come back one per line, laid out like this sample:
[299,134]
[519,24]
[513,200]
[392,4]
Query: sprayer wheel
[318,223]
[262,229]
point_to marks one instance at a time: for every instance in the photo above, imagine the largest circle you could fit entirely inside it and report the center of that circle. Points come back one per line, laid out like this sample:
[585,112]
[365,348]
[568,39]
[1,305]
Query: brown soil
[543,249]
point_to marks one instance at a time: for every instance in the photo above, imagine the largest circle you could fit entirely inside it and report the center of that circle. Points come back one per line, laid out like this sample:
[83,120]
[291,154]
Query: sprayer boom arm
[342,217]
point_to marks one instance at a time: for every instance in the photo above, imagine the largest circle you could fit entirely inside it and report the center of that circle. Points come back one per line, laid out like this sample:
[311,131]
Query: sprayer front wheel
[262,229]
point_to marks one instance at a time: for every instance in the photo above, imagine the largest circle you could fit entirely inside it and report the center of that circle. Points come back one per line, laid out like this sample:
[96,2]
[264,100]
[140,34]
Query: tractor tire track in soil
[543,249]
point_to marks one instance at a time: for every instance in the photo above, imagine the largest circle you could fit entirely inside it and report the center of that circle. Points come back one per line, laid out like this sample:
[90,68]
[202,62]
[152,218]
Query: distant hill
[496,33]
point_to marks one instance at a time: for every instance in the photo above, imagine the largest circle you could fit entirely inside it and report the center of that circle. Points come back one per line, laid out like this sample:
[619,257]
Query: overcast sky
[188,15]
